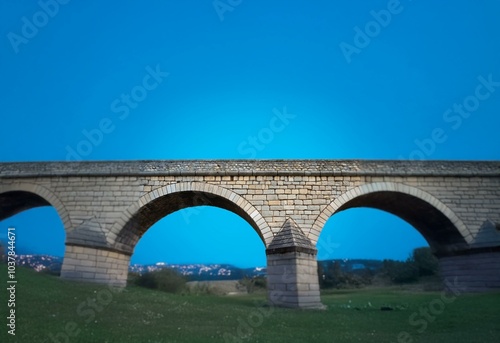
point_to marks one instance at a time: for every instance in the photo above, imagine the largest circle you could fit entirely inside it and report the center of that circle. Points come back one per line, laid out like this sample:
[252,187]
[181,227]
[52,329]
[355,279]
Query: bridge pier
[475,270]
[93,264]
[292,270]
[292,280]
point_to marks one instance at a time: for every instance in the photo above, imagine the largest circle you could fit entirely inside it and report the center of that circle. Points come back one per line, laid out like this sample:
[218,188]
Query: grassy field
[52,310]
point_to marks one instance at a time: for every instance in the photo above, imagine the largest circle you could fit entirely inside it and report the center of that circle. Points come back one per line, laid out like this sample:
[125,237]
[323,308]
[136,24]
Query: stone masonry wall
[293,280]
[97,200]
[475,273]
[95,265]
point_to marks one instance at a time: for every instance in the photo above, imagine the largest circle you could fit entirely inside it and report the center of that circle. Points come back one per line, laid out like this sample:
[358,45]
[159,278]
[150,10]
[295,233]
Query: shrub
[427,264]
[253,284]
[421,263]
[166,280]
[132,278]
[400,272]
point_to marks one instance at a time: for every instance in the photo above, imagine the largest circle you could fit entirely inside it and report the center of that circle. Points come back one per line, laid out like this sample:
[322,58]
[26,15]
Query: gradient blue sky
[405,87]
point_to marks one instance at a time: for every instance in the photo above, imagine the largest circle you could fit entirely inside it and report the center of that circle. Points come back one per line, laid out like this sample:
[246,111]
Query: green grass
[47,305]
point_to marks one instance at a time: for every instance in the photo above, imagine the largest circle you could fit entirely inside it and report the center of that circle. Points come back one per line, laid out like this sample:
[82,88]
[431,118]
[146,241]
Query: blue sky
[194,80]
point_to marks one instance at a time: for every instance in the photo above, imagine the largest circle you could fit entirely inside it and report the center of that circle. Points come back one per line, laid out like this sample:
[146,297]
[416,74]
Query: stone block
[87,263]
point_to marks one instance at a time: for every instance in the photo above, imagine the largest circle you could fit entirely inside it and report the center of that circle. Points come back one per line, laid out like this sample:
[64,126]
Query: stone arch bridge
[107,206]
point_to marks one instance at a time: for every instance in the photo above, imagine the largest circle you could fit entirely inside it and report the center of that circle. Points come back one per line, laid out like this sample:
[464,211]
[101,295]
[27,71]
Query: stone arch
[18,197]
[160,202]
[437,223]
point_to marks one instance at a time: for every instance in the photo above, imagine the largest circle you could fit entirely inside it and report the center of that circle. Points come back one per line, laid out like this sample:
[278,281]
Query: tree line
[421,263]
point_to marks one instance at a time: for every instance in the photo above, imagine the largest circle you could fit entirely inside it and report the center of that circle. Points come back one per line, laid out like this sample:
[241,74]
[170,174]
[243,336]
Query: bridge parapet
[251,167]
